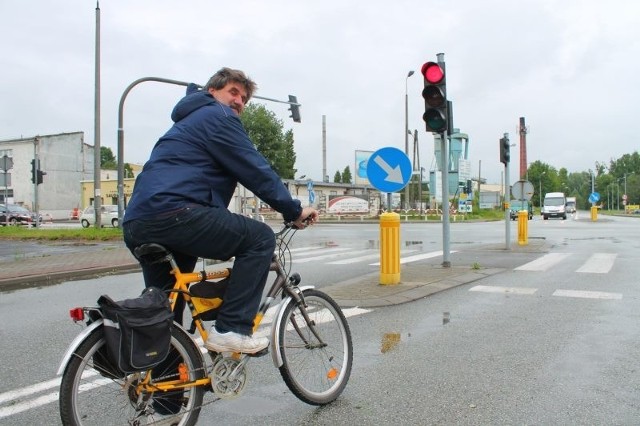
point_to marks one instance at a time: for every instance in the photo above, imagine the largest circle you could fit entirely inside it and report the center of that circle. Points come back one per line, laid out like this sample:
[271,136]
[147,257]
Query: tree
[128,171]
[107,159]
[266,132]
[346,175]
[337,178]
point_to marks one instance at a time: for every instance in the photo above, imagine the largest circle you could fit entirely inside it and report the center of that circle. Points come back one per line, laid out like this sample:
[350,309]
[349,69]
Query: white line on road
[334,253]
[587,294]
[543,263]
[376,255]
[503,290]
[598,263]
[417,257]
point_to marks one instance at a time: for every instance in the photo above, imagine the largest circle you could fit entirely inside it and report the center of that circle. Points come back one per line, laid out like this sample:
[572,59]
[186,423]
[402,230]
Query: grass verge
[20,233]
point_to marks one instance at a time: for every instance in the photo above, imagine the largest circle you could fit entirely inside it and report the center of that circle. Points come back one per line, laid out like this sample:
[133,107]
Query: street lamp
[540,192]
[416,157]
[406,129]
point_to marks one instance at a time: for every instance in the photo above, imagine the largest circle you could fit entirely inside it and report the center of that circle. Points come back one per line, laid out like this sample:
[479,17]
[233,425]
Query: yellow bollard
[523,227]
[389,248]
[594,213]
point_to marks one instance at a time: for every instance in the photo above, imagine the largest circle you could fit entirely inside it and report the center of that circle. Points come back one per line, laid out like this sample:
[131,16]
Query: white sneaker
[234,342]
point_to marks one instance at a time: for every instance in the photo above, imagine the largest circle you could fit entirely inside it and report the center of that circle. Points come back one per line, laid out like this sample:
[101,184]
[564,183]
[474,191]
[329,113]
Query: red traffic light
[432,72]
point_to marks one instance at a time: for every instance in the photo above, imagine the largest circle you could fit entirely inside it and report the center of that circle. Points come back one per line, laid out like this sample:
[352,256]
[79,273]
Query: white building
[65,158]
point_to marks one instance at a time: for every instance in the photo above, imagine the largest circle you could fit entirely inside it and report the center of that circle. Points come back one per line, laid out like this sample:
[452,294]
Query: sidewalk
[417,280]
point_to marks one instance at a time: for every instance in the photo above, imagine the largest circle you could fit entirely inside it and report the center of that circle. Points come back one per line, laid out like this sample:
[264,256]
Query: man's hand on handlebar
[308,217]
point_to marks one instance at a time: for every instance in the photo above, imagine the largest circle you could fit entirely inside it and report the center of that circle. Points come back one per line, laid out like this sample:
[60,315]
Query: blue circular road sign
[389,169]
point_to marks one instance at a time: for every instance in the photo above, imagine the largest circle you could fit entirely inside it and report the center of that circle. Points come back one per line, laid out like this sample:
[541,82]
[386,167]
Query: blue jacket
[201,159]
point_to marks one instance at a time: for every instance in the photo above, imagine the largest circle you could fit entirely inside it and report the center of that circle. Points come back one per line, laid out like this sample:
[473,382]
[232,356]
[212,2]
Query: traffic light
[294,107]
[33,171]
[436,113]
[40,173]
[469,189]
[505,155]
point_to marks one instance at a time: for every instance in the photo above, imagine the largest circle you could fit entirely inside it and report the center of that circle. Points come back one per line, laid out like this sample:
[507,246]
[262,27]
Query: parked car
[17,215]
[108,216]
[517,205]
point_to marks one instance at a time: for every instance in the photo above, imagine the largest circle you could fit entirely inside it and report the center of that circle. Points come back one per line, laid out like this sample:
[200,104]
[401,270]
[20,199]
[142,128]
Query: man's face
[233,95]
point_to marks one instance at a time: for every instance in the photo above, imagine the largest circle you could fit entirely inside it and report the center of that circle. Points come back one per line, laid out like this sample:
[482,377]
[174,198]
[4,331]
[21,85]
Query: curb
[418,281]
[52,278]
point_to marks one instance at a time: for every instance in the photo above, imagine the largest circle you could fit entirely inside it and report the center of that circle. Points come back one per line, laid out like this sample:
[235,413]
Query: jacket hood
[195,99]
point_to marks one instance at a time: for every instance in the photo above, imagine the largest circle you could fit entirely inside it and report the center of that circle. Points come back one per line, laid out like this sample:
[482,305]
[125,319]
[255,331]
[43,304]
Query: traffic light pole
[35,183]
[507,198]
[446,261]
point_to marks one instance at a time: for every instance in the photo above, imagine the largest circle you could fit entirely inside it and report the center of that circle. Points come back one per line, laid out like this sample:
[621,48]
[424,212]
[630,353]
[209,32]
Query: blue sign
[389,169]
[312,196]
[594,197]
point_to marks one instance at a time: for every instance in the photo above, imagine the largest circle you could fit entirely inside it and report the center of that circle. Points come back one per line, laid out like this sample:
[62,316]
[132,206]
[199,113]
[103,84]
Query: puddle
[389,342]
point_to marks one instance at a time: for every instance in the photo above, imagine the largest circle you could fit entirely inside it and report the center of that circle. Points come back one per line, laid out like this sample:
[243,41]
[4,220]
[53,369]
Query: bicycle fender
[75,343]
[276,356]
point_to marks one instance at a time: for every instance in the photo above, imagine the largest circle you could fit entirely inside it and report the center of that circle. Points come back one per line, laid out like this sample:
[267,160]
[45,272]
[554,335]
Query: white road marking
[543,263]
[375,255]
[503,290]
[325,255]
[417,257]
[587,294]
[598,263]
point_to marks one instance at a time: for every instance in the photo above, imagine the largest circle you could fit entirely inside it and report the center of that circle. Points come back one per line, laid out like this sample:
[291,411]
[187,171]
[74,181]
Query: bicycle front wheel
[94,392]
[316,356]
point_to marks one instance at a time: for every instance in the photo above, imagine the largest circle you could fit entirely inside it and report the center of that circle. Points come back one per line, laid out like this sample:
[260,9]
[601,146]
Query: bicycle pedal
[259,354]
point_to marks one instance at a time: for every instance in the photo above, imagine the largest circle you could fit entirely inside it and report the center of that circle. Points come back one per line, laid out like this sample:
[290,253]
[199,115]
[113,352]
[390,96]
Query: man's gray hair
[226,75]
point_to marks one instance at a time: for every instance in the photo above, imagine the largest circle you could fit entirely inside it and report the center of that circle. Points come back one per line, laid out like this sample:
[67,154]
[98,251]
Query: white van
[554,205]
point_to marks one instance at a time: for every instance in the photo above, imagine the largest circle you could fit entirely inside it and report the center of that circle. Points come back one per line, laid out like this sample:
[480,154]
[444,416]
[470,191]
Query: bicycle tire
[91,393]
[316,375]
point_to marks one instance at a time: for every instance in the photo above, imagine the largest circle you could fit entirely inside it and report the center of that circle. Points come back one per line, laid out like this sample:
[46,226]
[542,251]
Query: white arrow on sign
[394,174]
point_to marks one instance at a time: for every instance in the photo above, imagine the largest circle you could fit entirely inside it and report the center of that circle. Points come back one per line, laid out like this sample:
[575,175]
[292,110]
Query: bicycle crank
[229,377]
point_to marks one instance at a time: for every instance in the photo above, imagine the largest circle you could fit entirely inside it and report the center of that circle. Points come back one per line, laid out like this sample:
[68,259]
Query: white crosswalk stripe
[349,256]
[503,290]
[417,257]
[543,263]
[588,294]
[325,255]
[598,263]
[372,256]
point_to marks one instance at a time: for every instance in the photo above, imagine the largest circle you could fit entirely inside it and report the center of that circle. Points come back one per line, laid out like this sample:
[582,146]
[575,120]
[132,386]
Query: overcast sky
[570,67]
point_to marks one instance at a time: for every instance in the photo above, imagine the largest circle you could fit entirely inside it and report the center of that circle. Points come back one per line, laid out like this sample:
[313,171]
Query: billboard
[362,158]
[348,204]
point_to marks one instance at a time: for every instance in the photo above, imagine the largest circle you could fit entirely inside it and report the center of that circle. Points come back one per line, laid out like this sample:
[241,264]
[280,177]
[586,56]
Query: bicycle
[310,345]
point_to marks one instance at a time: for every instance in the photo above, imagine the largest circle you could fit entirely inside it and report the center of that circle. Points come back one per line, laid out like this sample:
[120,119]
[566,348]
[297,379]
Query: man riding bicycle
[181,196]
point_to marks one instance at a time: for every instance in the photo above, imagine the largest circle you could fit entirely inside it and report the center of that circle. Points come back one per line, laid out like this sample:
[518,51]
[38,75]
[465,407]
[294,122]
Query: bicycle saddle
[152,253]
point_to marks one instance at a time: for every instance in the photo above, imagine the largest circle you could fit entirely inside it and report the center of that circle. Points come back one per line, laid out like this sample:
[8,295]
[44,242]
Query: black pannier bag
[137,331]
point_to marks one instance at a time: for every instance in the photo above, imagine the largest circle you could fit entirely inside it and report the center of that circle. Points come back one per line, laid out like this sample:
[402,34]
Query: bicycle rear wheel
[315,370]
[94,392]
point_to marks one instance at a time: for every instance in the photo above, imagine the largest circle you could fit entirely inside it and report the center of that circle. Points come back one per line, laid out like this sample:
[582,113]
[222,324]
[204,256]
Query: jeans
[212,233]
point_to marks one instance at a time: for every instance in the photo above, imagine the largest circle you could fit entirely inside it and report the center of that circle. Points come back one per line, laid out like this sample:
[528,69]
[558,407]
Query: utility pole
[97,200]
